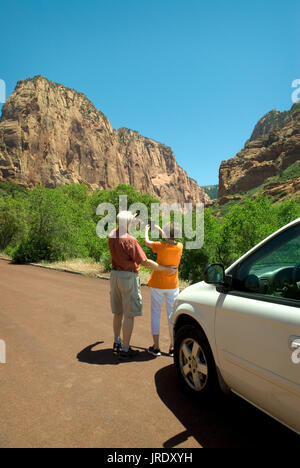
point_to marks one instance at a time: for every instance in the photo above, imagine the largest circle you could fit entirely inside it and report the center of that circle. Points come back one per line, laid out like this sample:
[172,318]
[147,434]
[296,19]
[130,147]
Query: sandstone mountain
[273,147]
[53,135]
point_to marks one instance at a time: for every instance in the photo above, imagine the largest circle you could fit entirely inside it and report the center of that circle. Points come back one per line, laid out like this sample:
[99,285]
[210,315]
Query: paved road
[62,387]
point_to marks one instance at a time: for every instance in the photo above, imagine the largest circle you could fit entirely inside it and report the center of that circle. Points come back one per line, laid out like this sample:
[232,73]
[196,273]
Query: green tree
[13,190]
[55,229]
[76,192]
[13,221]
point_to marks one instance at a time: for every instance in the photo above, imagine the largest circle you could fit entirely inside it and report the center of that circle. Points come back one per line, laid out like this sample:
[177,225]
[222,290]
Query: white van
[240,329]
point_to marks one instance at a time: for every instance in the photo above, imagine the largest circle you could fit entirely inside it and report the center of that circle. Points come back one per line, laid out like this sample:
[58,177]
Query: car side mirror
[214,274]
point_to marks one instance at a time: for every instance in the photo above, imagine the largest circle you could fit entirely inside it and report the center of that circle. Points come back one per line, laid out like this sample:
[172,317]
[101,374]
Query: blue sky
[193,74]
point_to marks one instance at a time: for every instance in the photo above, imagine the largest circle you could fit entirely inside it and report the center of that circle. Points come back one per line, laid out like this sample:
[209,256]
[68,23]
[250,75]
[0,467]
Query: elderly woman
[162,285]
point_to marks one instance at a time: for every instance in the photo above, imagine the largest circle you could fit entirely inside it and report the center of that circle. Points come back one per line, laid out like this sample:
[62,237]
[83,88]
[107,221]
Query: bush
[247,224]
[55,229]
[10,189]
[193,264]
[60,224]
[106,261]
[241,229]
[13,222]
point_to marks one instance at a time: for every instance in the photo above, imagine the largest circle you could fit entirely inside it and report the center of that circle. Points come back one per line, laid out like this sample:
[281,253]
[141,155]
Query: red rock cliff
[273,147]
[53,135]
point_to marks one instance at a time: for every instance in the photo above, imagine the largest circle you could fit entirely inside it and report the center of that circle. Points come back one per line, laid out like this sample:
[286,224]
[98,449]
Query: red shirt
[126,252]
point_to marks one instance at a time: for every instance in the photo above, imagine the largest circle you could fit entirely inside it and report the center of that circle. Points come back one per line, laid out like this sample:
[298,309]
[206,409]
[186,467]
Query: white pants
[157,299]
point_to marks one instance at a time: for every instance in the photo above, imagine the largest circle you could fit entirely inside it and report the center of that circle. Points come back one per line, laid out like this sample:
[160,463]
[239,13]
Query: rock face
[53,135]
[283,189]
[273,120]
[273,146]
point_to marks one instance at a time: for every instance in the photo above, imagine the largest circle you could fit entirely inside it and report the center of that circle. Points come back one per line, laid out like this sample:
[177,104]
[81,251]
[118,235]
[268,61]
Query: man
[125,293]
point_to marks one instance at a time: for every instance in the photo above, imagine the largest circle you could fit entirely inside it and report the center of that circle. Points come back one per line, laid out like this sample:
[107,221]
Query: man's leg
[116,306]
[117,324]
[132,307]
[128,325]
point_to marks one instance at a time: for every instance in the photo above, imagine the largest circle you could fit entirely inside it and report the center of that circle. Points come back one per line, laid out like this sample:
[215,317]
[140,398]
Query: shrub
[13,190]
[106,261]
[13,223]
[55,227]
[60,224]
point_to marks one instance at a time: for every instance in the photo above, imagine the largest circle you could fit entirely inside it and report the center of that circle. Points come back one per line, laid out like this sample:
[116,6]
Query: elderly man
[125,294]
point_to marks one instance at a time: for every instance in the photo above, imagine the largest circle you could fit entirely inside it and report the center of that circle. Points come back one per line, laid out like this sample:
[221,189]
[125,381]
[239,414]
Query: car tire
[194,362]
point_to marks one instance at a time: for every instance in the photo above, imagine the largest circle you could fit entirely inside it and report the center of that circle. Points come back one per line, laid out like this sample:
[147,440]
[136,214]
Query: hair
[172,230]
[125,216]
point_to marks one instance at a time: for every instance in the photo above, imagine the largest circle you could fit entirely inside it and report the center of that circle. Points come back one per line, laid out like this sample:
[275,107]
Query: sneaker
[127,355]
[117,348]
[154,351]
[171,352]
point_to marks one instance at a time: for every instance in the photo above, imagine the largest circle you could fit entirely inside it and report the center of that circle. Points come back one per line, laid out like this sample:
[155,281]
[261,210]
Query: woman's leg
[171,296]
[157,299]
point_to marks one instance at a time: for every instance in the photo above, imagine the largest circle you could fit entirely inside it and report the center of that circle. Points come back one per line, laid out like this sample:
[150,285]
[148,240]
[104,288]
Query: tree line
[58,224]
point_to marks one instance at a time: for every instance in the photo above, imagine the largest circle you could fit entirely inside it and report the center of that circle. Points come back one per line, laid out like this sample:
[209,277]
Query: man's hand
[171,269]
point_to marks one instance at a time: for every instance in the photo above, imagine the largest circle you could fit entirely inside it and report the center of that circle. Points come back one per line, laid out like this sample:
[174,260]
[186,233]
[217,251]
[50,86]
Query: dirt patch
[90,268]
[79,265]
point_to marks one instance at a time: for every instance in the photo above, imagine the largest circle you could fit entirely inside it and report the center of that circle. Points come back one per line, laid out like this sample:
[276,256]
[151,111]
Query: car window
[274,269]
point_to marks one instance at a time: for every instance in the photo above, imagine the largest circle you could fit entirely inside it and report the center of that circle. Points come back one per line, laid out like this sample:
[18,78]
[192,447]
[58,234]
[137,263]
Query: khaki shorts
[125,293]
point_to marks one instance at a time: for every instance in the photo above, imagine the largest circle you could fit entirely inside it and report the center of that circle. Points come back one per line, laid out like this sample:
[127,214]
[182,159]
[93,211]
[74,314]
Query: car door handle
[294,342]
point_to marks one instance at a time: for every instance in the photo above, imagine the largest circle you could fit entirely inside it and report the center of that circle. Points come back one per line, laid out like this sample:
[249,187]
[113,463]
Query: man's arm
[156,267]
[138,255]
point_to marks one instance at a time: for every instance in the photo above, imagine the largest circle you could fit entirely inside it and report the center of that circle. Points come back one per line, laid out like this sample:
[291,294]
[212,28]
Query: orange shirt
[166,255]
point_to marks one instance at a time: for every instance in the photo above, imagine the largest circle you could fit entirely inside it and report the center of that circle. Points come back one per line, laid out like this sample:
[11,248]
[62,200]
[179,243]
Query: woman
[162,284]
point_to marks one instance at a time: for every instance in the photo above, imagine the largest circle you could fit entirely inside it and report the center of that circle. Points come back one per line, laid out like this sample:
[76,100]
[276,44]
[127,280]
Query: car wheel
[194,361]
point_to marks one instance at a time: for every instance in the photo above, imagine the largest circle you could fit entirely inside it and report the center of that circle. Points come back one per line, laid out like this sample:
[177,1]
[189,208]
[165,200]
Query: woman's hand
[148,242]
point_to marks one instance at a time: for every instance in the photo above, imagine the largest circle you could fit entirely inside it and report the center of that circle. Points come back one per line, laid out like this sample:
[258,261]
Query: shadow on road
[227,422]
[102,357]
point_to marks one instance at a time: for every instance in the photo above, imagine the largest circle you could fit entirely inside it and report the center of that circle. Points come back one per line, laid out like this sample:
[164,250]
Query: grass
[5,256]
[291,172]
[88,268]
[85,266]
